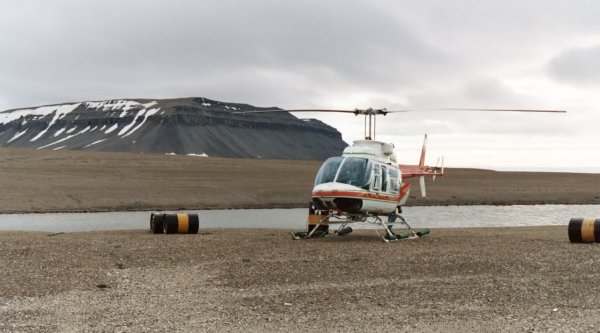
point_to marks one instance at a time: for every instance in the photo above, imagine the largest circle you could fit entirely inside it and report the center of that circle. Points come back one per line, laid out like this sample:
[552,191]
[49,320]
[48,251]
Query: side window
[384,179]
[394,182]
[376,177]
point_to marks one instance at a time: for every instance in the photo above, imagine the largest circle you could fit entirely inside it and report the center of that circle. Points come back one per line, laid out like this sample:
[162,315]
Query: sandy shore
[66,181]
[454,280]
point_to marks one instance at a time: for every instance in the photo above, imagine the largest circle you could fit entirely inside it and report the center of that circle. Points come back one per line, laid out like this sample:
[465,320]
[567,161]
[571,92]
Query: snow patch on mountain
[18,135]
[94,143]
[42,111]
[148,114]
[111,129]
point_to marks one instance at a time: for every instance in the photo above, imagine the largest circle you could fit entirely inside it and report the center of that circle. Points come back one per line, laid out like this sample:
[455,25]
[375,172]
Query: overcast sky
[333,54]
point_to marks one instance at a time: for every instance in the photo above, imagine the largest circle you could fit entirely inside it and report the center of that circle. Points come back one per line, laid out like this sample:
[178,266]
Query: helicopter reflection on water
[421,217]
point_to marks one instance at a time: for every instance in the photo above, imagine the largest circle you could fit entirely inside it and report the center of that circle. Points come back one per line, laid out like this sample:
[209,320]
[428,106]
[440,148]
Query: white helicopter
[366,183]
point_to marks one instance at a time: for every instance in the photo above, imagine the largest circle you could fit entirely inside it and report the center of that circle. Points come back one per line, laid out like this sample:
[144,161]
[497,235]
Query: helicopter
[366,183]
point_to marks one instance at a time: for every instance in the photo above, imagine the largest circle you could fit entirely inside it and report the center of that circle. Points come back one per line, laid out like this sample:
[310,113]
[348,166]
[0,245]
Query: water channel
[430,217]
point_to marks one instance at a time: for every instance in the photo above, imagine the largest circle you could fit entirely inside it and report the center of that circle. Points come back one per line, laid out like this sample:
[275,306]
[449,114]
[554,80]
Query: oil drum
[584,230]
[181,223]
[156,222]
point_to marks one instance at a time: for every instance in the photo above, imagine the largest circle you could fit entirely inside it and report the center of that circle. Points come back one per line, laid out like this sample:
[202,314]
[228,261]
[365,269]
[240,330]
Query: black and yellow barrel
[315,217]
[156,222]
[584,230]
[182,223]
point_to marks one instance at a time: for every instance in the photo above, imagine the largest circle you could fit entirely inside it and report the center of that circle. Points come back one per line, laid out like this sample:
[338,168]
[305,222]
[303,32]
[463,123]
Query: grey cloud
[73,49]
[578,65]
[435,54]
[477,91]
[482,92]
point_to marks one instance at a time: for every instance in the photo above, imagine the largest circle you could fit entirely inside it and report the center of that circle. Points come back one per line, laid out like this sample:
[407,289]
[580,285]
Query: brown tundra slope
[50,181]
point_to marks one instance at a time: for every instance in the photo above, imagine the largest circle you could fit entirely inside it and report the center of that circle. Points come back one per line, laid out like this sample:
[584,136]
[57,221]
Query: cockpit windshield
[349,170]
[328,170]
[355,171]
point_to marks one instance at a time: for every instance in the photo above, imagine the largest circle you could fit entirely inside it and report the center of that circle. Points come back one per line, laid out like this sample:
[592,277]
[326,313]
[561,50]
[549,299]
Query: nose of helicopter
[337,197]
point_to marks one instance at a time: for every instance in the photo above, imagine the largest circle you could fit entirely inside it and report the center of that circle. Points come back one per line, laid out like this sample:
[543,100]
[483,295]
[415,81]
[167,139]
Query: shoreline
[166,209]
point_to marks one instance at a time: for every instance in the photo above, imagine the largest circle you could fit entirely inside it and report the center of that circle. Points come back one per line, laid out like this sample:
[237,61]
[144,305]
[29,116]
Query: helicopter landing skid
[316,232]
[388,236]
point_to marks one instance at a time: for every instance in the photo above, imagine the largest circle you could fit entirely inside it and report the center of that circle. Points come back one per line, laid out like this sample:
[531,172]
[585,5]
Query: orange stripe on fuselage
[404,187]
[357,195]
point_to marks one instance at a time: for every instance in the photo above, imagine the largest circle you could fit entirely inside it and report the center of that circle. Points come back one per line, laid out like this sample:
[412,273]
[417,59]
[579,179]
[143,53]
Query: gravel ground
[453,280]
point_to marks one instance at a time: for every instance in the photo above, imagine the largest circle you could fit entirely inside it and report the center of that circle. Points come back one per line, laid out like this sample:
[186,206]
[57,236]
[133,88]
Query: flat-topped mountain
[192,126]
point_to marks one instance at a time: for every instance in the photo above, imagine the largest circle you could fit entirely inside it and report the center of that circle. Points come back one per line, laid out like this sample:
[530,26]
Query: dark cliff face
[193,126]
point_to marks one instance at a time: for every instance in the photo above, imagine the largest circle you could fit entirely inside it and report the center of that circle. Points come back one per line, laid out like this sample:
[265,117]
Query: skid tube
[387,236]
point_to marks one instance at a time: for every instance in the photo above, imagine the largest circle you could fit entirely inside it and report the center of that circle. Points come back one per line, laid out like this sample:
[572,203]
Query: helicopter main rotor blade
[298,110]
[321,110]
[479,110]
[371,111]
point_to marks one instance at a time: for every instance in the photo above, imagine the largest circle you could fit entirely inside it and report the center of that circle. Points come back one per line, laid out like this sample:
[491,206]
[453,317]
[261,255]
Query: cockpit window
[328,170]
[355,171]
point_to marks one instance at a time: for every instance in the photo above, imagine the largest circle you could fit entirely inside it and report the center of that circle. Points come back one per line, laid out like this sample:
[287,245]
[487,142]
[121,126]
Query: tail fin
[421,170]
[423,151]
[421,165]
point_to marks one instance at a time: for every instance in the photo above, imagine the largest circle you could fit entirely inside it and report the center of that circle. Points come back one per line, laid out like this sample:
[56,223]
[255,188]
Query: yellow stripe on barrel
[184,223]
[587,230]
[584,230]
[181,223]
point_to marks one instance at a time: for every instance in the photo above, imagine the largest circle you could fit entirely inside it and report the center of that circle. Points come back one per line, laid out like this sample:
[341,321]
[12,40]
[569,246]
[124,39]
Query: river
[430,217]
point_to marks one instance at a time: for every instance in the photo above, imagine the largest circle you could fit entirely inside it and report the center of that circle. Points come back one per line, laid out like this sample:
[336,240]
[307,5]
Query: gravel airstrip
[525,279]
